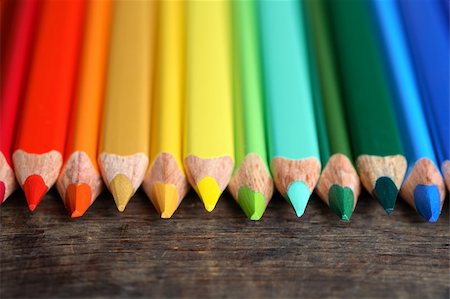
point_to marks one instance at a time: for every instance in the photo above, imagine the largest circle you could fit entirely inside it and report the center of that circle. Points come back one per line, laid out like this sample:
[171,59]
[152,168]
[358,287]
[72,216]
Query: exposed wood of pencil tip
[219,168]
[339,171]
[46,165]
[446,172]
[166,170]
[79,170]
[254,174]
[373,167]
[424,172]
[7,177]
[286,171]
[133,167]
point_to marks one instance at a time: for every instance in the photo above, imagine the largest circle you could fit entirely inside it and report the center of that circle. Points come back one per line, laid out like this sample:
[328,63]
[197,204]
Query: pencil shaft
[51,84]
[427,30]
[367,99]
[248,103]
[290,116]
[167,107]
[328,80]
[15,71]
[407,100]
[84,130]
[126,120]
[208,113]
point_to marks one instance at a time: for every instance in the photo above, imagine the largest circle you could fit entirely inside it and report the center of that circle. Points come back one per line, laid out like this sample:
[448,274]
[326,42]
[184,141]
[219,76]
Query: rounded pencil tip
[252,203]
[2,192]
[341,201]
[427,201]
[298,195]
[122,190]
[166,196]
[386,192]
[209,192]
[76,214]
[34,188]
[78,199]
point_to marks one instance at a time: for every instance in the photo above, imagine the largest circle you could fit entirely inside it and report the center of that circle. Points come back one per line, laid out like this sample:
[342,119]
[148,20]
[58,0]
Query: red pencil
[13,79]
[44,120]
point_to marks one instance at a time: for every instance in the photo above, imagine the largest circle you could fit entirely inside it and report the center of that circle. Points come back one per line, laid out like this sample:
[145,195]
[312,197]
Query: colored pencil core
[298,194]
[166,196]
[341,200]
[78,199]
[34,188]
[386,192]
[209,192]
[252,203]
[122,190]
[427,201]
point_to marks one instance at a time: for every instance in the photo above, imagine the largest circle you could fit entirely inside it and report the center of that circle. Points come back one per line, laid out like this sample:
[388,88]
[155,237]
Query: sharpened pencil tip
[76,214]
[427,201]
[2,192]
[166,196]
[341,201]
[34,188]
[122,190]
[78,199]
[298,195]
[252,203]
[209,192]
[386,192]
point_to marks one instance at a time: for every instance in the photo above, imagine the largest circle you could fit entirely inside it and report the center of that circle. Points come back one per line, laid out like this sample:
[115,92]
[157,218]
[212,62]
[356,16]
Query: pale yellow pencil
[123,156]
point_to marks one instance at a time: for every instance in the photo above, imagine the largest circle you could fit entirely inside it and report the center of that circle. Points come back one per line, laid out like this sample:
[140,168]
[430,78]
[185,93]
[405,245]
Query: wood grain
[220,254]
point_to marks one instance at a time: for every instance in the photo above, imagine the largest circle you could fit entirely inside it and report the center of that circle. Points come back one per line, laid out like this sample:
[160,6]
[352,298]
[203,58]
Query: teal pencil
[292,134]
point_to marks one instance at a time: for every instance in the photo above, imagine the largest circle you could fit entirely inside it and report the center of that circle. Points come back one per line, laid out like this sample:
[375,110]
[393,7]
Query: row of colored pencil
[247,95]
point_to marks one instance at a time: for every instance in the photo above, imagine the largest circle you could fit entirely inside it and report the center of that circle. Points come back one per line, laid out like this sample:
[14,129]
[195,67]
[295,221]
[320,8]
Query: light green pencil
[251,184]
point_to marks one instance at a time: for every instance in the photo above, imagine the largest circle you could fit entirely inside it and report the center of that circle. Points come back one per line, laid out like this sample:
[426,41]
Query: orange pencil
[43,124]
[80,181]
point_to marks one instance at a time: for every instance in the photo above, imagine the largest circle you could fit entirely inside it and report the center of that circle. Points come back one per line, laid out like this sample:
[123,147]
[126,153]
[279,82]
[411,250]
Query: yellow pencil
[208,120]
[165,182]
[124,146]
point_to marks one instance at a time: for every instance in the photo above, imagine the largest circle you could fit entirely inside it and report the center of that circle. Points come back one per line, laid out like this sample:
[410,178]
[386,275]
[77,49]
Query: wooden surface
[196,254]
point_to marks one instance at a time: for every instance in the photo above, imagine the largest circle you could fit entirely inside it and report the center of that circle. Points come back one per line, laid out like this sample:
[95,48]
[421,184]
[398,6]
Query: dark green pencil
[339,184]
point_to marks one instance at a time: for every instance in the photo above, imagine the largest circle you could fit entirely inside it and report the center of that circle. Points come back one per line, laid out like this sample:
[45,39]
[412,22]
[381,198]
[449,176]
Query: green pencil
[374,134]
[251,184]
[339,184]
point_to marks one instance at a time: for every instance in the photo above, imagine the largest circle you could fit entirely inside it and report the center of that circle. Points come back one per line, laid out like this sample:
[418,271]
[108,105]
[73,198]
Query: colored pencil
[251,184]
[44,118]
[423,187]
[339,185]
[166,183]
[367,100]
[428,33]
[292,137]
[123,157]
[80,182]
[209,149]
[13,79]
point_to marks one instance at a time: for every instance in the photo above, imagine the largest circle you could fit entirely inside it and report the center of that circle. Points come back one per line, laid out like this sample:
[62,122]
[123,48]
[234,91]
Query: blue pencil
[427,30]
[423,187]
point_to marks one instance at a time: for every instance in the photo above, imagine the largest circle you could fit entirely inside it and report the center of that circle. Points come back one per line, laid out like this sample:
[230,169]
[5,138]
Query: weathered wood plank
[196,254]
